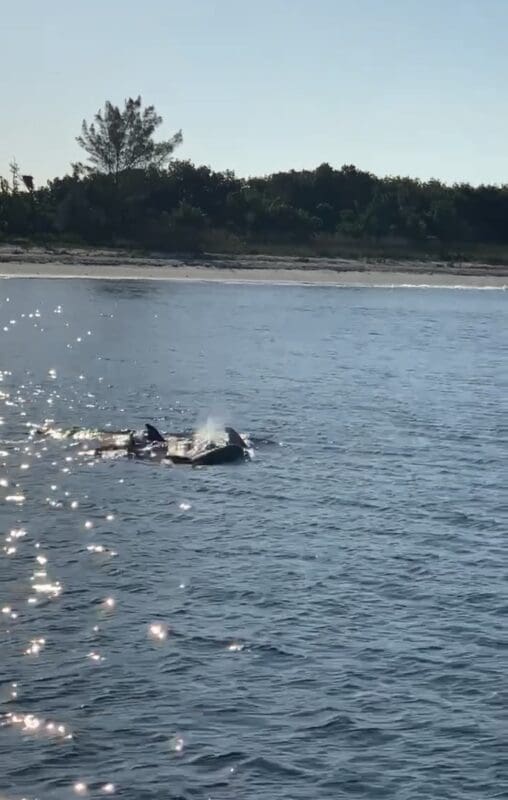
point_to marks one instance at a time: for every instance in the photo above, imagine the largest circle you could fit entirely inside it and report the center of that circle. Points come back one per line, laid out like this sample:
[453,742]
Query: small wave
[273,768]
[336,724]
[218,762]
[366,284]
[460,286]
[275,650]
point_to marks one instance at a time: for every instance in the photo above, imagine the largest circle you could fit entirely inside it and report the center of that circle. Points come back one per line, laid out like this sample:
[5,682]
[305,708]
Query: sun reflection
[53,503]
[35,647]
[101,548]
[16,533]
[158,631]
[41,584]
[8,612]
[94,656]
[177,744]
[53,589]
[235,647]
[15,498]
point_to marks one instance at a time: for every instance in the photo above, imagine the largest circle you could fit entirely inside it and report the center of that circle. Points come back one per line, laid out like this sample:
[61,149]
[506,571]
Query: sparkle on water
[35,646]
[158,631]
[335,608]
[31,723]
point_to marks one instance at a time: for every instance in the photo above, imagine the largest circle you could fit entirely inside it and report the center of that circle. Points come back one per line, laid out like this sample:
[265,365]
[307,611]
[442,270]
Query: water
[326,621]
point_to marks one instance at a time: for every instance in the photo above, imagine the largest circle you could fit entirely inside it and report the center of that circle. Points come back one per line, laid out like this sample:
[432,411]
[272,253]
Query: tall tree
[15,175]
[119,140]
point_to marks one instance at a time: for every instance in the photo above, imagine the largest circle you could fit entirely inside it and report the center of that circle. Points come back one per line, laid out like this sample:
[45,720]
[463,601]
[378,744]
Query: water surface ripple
[327,621]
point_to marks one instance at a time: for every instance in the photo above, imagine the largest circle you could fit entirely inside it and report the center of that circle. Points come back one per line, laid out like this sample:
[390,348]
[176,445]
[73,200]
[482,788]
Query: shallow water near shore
[326,621]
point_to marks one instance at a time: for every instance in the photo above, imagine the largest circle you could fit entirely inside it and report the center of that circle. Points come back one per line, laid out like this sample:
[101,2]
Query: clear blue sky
[413,87]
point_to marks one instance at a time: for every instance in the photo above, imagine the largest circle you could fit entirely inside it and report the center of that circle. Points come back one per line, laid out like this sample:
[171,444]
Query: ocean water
[326,621]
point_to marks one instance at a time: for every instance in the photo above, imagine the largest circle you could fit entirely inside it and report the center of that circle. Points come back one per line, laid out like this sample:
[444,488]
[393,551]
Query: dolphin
[179,448]
[149,443]
[197,454]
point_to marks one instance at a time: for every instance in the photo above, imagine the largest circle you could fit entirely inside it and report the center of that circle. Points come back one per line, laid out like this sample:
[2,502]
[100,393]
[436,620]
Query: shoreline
[365,279]
[20,262]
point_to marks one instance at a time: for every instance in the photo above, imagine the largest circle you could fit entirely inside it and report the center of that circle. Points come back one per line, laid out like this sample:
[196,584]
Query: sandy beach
[38,262]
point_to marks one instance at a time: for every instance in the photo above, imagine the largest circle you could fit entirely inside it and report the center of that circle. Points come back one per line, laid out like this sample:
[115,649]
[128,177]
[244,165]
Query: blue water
[330,618]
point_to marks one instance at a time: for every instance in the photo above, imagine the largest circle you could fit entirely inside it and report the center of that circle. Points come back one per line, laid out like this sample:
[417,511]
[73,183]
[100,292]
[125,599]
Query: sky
[396,87]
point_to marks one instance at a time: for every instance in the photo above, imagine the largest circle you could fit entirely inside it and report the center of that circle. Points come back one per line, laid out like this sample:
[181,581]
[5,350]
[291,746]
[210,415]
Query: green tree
[120,140]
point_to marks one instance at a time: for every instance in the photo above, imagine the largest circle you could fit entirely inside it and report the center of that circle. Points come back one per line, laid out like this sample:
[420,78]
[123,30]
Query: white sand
[18,262]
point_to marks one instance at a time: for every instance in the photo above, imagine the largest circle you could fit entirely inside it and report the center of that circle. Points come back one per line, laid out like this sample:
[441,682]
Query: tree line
[133,192]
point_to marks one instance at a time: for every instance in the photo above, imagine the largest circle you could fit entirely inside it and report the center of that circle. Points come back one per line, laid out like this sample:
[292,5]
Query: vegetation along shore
[133,195]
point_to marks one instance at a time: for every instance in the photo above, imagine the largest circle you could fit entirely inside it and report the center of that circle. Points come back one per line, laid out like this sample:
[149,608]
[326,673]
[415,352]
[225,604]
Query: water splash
[212,431]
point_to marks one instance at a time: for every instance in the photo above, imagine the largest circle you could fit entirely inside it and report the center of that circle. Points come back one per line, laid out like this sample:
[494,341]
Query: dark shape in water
[217,455]
[151,444]
[152,434]
[235,449]
[234,438]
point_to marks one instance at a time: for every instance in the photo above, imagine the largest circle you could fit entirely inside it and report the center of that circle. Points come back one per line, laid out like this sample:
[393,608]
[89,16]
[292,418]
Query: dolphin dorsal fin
[153,434]
[235,438]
